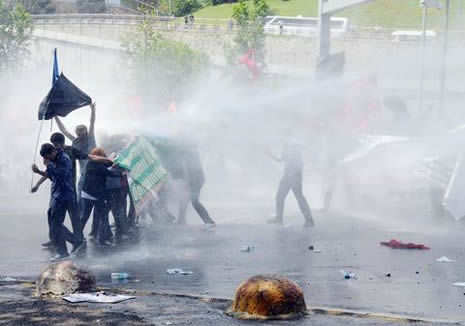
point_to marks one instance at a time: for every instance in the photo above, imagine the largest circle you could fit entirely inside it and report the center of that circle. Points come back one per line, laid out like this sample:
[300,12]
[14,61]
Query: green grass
[283,8]
[387,13]
[401,13]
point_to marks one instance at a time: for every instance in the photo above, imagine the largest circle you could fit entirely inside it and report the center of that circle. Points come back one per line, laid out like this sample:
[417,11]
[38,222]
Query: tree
[162,70]
[92,6]
[38,6]
[250,34]
[15,35]
[186,7]
[219,2]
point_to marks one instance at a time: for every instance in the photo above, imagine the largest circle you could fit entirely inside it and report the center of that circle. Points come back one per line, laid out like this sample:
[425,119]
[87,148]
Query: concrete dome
[268,297]
[64,278]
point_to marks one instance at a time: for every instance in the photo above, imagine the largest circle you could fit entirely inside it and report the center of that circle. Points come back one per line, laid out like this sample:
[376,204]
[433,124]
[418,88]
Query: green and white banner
[146,173]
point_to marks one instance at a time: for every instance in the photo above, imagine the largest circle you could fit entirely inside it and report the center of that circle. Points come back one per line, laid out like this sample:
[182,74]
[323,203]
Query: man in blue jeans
[60,172]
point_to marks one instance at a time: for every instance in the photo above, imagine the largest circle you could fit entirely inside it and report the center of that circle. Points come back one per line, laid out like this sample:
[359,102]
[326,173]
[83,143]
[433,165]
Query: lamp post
[425,4]
[444,58]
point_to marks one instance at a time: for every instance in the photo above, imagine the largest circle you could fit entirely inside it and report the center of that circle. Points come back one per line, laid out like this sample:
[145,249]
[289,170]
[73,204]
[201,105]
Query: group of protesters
[102,187]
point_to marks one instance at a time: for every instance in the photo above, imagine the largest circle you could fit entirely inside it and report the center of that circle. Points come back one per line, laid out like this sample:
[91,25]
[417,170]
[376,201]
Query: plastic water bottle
[119,276]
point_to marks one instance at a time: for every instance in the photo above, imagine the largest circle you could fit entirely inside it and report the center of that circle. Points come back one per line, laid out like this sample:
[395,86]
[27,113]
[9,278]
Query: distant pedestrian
[191,20]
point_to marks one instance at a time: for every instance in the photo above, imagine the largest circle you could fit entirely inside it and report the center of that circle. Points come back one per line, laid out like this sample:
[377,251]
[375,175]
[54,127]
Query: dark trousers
[100,225]
[117,205]
[59,233]
[292,182]
[80,184]
[75,218]
[194,196]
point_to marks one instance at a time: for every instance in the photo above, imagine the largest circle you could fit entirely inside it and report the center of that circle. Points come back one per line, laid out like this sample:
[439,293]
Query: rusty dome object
[268,297]
[64,278]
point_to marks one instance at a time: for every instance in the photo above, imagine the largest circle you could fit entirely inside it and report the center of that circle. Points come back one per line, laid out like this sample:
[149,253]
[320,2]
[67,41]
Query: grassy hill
[387,13]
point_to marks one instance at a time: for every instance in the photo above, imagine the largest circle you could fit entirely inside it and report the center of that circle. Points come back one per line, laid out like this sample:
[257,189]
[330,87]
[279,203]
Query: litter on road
[96,297]
[459,284]
[445,259]
[395,244]
[120,276]
[247,248]
[348,275]
[178,271]
[8,279]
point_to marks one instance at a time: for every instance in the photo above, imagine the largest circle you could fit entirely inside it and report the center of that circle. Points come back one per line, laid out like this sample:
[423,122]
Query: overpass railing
[214,25]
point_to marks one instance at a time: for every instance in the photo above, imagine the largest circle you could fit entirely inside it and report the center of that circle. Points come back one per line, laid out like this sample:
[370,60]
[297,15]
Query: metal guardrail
[215,26]
[169,23]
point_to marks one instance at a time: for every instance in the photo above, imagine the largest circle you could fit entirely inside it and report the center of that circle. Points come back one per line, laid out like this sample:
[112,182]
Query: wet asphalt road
[418,285]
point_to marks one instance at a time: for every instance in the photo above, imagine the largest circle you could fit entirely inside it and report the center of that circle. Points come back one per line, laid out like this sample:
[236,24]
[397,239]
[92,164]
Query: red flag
[248,59]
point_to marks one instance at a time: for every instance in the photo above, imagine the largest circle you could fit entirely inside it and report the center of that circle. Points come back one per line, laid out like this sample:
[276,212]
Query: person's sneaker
[308,224]
[274,221]
[105,243]
[59,257]
[47,244]
[78,248]
[208,226]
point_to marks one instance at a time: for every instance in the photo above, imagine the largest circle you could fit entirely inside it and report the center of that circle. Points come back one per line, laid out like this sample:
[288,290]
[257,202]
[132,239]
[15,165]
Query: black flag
[63,98]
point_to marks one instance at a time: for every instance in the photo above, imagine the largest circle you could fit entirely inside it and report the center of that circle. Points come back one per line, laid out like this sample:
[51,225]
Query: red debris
[395,244]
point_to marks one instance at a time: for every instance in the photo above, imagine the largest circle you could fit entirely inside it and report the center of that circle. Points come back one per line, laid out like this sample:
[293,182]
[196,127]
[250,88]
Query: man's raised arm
[63,130]
[92,120]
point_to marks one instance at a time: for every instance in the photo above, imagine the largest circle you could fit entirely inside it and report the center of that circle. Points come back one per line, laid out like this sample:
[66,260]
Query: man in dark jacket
[84,140]
[58,140]
[59,171]
[95,197]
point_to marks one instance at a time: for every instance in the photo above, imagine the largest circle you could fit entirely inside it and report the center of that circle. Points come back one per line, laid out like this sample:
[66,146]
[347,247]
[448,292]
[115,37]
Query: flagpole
[54,73]
[37,146]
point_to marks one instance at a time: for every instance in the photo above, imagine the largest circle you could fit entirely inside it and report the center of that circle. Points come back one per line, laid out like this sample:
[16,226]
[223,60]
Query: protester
[95,197]
[59,171]
[83,141]
[117,198]
[195,179]
[291,179]
[58,140]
